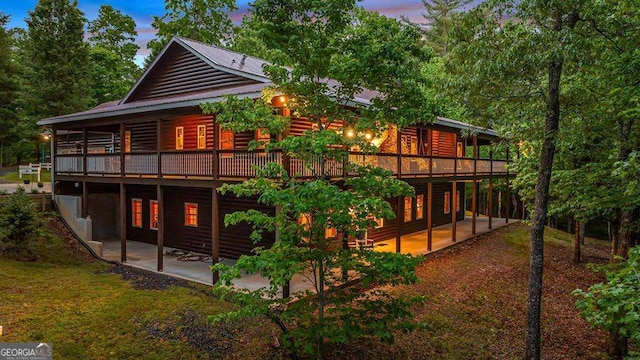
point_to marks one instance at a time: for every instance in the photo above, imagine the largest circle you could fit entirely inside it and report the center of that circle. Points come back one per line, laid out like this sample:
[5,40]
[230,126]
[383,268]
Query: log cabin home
[146,168]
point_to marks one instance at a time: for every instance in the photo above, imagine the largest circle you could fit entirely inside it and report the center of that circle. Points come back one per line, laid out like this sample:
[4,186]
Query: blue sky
[143,10]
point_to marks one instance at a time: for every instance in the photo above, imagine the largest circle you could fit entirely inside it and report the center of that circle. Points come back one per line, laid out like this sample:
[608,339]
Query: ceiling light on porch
[368,136]
[350,133]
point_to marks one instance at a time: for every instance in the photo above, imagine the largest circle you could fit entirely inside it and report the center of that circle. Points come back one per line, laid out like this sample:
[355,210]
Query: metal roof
[224,60]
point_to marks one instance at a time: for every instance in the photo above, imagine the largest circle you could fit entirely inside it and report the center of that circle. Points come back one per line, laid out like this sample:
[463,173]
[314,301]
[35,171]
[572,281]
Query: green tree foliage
[615,304]
[439,15]
[203,20]
[56,58]
[320,41]
[8,86]
[246,39]
[511,61]
[20,223]
[112,54]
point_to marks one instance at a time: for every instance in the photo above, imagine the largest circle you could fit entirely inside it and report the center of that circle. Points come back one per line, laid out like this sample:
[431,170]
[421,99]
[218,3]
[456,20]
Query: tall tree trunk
[583,230]
[532,350]
[627,235]
[615,235]
[576,243]
[1,152]
[618,346]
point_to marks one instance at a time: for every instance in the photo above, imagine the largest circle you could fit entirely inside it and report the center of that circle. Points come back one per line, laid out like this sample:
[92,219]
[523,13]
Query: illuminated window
[153,215]
[330,233]
[191,214]
[460,150]
[379,222]
[226,139]
[447,202]
[263,137]
[136,213]
[457,203]
[409,144]
[407,208]
[127,141]
[419,207]
[202,136]
[179,137]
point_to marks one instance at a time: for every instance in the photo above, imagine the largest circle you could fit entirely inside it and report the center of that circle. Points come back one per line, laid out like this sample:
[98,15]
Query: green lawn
[476,308]
[13,177]
[89,314]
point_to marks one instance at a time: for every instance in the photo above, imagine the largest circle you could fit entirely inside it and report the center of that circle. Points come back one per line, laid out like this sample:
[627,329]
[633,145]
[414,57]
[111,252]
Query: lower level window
[191,214]
[419,207]
[408,208]
[136,213]
[153,215]
[447,202]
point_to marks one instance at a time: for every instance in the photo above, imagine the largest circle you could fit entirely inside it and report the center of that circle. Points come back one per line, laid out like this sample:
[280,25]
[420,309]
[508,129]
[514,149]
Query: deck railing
[72,164]
[103,164]
[188,163]
[141,164]
[243,164]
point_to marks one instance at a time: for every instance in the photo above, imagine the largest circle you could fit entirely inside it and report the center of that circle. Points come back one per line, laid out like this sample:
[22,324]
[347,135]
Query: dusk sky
[142,12]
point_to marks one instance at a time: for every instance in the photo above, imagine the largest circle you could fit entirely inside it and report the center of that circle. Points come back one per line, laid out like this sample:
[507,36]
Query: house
[145,168]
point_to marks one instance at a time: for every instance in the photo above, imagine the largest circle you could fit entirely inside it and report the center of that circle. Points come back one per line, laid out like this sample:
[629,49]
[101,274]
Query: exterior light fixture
[350,133]
[368,136]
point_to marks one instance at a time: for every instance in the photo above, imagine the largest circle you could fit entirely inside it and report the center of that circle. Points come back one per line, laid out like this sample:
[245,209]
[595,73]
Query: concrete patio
[144,256]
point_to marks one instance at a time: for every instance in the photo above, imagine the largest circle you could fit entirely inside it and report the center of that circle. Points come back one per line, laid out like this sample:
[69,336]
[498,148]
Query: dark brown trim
[429,216]
[215,231]
[160,200]
[123,223]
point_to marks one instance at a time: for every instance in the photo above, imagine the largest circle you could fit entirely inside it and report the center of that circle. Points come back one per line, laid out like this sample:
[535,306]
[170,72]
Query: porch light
[368,136]
[282,99]
[350,133]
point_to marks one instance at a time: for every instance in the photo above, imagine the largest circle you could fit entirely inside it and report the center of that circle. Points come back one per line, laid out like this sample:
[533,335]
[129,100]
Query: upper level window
[409,144]
[179,137]
[136,213]
[226,139]
[447,202]
[191,214]
[153,215]
[263,137]
[419,207]
[202,136]
[408,208]
[460,150]
[127,141]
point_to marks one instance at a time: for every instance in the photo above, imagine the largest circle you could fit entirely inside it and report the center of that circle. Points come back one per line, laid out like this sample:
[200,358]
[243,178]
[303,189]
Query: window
[330,233]
[408,209]
[263,137]
[179,137]
[419,207]
[226,139]
[447,202]
[409,144]
[191,214]
[153,215]
[202,136]
[460,150]
[457,203]
[136,213]
[127,141]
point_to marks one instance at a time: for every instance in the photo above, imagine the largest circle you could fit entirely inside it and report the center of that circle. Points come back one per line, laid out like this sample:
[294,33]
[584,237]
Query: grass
[476,305]
[89,314]
[13,177]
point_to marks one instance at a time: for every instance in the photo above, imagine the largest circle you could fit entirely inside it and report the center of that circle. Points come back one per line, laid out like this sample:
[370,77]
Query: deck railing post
[159,146]
[85,143]
[474,190]
[122,158]
[160,227]
[399,201]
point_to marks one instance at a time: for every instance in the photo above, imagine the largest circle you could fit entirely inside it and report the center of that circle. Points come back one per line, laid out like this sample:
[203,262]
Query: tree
[8,85]
[615,305]
[20,223]
[356,49]
[510,60]
[439,18]
[207,21]
[112,54]
[246,39]
[56,59]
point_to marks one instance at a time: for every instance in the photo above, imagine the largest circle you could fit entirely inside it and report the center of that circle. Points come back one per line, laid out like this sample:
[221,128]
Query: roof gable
[180,69]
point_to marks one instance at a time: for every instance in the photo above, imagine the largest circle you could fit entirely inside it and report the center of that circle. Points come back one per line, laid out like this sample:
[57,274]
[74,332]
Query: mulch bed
[144,279]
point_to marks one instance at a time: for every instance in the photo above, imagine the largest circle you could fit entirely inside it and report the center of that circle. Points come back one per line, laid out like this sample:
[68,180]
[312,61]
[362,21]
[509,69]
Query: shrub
[20,224]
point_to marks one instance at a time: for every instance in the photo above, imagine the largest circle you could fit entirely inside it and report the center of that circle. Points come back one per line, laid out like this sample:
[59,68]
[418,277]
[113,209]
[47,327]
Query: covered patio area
[145,256]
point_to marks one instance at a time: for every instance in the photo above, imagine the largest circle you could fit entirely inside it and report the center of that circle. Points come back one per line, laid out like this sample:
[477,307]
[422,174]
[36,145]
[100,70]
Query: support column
[454,211]
[399,202]
[159,147]
[85,200]
[123,223]
[215,230]
[429,216]
[490,195]
[474,187]
[508,192]
[122,167]
[54,153]
[160,199]
[85,143]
